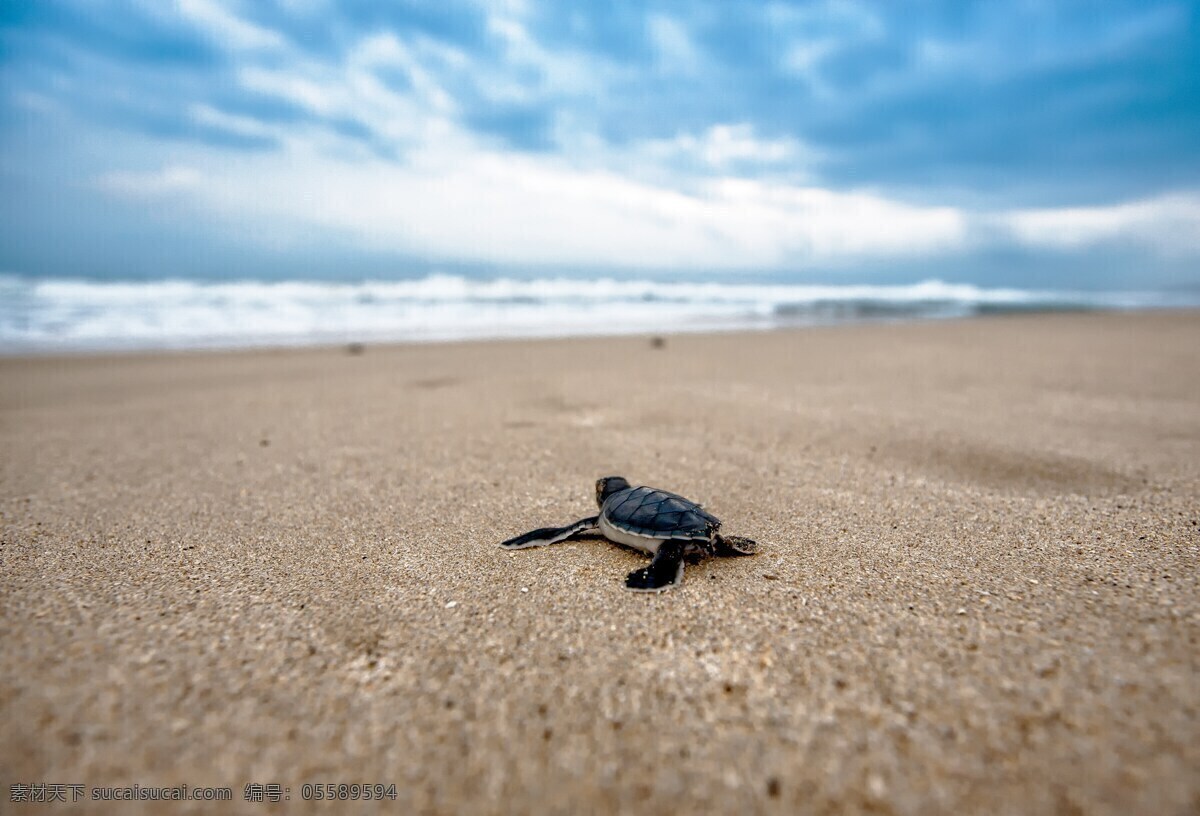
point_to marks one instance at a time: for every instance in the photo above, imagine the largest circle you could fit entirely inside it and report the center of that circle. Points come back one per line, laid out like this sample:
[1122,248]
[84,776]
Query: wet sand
[977,590]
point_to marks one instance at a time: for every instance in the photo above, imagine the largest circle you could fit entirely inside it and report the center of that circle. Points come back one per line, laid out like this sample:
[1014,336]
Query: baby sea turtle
[666,525]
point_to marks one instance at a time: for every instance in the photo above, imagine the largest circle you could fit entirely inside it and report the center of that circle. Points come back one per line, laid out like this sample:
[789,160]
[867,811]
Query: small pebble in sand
[524,589]
[451,604]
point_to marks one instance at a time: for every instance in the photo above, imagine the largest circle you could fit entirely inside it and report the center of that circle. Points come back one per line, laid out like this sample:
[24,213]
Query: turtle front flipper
[665,570]
[550,535]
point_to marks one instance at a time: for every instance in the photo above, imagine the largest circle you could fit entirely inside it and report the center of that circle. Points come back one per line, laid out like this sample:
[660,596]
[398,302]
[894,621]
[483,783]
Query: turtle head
[607,486]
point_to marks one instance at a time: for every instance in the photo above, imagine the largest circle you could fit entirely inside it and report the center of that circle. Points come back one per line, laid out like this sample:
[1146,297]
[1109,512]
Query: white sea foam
[66,314]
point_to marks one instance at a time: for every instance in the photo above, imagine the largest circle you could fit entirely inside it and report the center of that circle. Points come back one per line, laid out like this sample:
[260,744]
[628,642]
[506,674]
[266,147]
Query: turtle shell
[658,514]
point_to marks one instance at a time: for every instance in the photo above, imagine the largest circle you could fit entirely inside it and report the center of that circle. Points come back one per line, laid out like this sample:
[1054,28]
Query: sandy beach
[977,590]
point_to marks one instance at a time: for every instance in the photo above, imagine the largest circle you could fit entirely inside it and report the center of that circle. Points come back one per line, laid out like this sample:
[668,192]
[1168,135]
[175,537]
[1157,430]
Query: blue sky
[1046,144]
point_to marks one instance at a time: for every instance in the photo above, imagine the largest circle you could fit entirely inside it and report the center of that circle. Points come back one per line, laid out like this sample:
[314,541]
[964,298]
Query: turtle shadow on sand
[666,525]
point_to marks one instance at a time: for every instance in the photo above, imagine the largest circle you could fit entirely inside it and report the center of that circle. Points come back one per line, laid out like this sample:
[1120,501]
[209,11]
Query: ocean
[43,315]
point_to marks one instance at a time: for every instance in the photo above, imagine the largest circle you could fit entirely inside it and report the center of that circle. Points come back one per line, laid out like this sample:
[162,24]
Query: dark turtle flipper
[726,546]
[550,535]
[665,570]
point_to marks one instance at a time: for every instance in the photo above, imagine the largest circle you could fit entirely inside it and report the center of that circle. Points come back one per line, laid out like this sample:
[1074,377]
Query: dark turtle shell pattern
[659,514]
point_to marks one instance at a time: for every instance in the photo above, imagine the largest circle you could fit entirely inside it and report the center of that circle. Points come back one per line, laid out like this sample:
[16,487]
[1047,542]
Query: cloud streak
[1168,224]
[517,209]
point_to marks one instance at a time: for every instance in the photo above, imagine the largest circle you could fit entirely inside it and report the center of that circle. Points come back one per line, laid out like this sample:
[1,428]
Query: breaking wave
[79,315]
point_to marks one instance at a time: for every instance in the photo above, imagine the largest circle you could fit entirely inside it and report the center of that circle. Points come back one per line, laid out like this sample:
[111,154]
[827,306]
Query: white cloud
[722,145]
[816,31]
[226,27]
[803,56]
[478,205]
[241,125]
[423,61]
[1169,224]
[676,53]
[154,183]
[352,90]
[312,96]
[532,71]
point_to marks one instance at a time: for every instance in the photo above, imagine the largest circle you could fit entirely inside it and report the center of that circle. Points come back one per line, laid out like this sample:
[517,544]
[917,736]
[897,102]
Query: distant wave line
[76,314]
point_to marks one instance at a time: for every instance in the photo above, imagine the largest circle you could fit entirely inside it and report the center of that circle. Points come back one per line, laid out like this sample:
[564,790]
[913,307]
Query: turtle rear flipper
[550,535]
[665,570]
[727,546]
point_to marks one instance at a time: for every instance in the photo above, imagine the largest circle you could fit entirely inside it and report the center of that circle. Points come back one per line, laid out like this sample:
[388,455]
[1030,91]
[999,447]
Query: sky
[1021,143]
